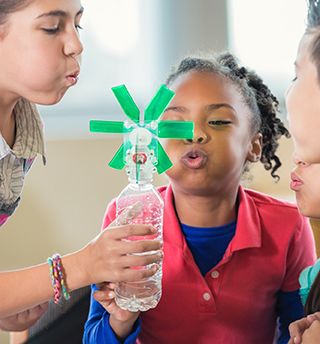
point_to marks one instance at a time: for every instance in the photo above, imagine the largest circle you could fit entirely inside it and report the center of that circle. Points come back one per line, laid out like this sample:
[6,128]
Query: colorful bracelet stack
[57,278]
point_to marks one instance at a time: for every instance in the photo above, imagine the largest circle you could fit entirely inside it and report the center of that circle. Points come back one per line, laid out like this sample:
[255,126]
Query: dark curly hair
[313,27]
[262,103]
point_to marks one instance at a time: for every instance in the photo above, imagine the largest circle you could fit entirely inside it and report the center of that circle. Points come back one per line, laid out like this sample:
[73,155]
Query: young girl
[232,256]
[303,96]
[306,184]
[40,59]
[303,113]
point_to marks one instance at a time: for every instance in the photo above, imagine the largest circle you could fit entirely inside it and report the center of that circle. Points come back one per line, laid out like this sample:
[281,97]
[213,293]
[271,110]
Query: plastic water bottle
[145,294]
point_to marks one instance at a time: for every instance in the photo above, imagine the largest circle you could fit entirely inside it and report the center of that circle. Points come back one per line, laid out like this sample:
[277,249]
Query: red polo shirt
[235,302]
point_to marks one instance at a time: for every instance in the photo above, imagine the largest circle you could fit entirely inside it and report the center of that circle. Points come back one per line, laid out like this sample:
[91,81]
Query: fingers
[131,275]
[312,334]
[105,296]
[123,232]
[294,330]
[127,214]
[132,261]
[139,246]
[297,328]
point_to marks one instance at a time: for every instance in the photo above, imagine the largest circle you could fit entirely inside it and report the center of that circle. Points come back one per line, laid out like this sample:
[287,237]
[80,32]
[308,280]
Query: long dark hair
[262,103]
[313,301]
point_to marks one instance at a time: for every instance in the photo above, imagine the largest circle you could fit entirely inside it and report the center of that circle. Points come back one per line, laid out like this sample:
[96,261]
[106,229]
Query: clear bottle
[145,294]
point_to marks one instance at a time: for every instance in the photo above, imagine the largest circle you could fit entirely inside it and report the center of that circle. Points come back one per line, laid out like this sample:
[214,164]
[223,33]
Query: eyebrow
[213,107]
[59,13]
[209,108]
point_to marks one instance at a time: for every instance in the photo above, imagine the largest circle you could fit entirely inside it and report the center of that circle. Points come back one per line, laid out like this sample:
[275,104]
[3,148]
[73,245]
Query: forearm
[25,288]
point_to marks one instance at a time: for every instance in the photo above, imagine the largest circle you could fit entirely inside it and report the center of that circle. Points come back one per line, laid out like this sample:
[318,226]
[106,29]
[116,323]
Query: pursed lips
[195,158]
[296,182]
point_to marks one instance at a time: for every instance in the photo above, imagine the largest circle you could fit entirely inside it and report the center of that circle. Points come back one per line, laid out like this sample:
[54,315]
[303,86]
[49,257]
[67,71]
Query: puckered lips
[296,182]
[73,77]
[195,158]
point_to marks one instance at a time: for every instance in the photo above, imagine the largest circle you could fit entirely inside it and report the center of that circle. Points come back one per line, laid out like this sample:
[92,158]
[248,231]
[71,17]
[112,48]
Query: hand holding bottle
[120,320]
[109,257]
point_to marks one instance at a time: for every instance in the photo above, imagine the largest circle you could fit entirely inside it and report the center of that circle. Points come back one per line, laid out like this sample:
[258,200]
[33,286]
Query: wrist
[76,271]
[122,328]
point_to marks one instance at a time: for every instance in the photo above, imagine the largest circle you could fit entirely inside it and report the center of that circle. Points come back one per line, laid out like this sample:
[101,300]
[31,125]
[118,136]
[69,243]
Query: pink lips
[73,77]
[296,182]
[195,159]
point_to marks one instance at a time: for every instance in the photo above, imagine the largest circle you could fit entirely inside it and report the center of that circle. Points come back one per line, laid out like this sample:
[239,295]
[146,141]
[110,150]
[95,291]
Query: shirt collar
[29,133]
[248,231]
[4,148]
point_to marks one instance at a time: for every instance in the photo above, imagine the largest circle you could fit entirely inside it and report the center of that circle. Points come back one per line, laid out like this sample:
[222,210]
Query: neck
[7,122]
[205,211]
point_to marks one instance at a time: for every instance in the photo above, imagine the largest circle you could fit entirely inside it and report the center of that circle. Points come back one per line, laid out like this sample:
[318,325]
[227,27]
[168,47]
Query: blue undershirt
[207,246]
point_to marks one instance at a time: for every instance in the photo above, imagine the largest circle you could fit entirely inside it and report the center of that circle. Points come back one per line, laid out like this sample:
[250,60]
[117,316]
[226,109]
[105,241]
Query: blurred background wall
[136,42]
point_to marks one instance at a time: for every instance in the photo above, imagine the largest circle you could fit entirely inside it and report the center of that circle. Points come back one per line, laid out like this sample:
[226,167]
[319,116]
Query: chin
[50,100]
[313,212]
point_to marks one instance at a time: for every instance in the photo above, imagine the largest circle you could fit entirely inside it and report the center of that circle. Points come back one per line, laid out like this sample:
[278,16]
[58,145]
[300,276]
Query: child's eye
[78,27]
[51,31]
[219,122]
[294,79]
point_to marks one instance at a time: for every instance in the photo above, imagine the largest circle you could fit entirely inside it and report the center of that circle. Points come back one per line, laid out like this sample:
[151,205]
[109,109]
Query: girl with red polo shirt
[232,256]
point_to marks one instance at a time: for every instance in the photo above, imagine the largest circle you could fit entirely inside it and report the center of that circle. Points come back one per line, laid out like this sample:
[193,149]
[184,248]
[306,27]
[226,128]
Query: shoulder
[275,212]
[269,202]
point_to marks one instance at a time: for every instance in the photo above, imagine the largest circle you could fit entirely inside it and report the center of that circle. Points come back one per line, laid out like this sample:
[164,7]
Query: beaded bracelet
[57,278]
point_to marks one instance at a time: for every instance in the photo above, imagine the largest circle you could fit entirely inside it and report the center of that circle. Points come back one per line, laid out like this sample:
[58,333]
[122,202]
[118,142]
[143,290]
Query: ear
[3,30]
[255,148]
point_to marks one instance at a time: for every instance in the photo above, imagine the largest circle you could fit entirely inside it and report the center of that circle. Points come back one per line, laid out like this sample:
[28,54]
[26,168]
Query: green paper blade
[106,126]
[117,161]
[126,102]
[175,129]
[158,104]
[164,162]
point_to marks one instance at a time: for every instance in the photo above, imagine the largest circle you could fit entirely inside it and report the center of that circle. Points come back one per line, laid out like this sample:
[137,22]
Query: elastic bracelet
[55,280]
[57,260]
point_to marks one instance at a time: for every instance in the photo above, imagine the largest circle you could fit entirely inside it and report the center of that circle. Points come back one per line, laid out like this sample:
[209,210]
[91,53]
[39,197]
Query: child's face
[306,184]
[222,142]
[40,50]
[303,104]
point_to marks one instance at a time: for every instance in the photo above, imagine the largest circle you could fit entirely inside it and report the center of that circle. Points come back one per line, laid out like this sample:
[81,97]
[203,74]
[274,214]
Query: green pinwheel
[141,146]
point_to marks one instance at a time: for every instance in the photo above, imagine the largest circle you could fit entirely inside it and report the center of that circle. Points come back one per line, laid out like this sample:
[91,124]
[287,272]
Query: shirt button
[215,274]
[206,296]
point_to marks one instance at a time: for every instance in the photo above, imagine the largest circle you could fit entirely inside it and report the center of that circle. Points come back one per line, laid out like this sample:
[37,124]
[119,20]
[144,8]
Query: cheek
[293,103]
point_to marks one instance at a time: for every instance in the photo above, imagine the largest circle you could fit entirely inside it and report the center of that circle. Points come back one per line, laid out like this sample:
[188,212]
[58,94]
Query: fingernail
[135,209]
[153,229]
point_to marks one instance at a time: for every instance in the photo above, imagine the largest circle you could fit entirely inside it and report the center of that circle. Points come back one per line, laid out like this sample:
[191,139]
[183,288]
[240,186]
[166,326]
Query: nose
[299,162]
[73,46]
[200,136]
